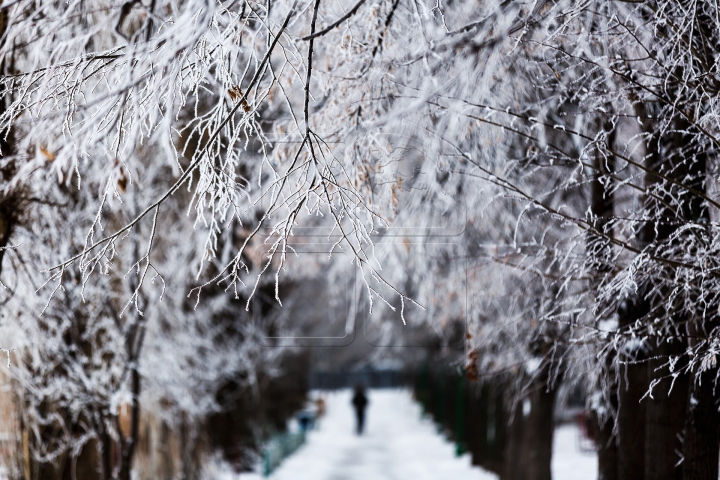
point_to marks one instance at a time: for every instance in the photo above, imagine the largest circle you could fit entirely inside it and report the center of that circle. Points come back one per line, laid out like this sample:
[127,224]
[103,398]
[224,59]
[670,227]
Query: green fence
[469,413]
[278,448]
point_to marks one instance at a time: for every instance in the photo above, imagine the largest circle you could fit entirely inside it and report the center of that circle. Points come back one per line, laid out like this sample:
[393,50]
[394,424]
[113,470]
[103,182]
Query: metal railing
[278,448]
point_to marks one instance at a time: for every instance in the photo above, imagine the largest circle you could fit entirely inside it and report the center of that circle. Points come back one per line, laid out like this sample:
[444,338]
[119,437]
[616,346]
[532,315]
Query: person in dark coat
[359,402]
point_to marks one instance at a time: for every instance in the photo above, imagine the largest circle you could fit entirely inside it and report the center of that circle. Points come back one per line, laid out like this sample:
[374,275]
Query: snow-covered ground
[399,445]
[569,462]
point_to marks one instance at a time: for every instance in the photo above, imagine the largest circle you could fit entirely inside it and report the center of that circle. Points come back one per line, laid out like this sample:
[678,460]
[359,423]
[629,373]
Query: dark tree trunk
[607,449]
[477,424]
[699,416]
[9,205]
[669,153]
[497,420]
[665,418]
[528,451]
[603,205]
[539,430]
[134,343]
[129,444]
[700,447]
[631,422]
[701,431]
[107,453]
[513,466]
[633,384]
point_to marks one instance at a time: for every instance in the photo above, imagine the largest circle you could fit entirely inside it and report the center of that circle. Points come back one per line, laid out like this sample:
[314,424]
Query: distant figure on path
[360,401]
[305,421]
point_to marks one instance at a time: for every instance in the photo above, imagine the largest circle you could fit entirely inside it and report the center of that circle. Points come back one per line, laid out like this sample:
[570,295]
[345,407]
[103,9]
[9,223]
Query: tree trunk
[607,449]
[701,431]
[700,446]
[602,205]
[528,451]
[477,427]
[631,409]
[631,422]
[9,207]
[130,443]
[134,344]
[86,465]
[665,415]
[665,418]
[539,432]
[513,456]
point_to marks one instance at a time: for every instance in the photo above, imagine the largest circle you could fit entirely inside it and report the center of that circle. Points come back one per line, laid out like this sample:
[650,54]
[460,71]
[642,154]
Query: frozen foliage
[170,147]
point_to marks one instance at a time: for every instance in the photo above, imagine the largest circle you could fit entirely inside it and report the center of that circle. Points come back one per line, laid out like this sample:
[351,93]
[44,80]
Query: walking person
[359,402]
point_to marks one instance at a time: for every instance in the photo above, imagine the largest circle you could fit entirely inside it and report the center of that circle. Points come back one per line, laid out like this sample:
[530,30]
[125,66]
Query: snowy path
[399,445]
[568,462]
